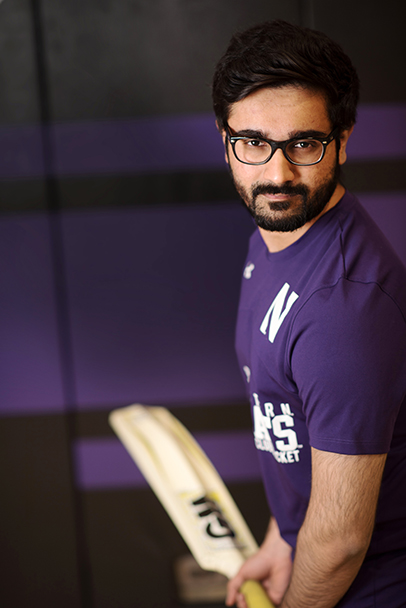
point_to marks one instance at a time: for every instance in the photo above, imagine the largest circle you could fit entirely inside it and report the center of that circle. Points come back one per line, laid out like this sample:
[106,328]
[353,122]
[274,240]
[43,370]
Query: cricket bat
[191,491]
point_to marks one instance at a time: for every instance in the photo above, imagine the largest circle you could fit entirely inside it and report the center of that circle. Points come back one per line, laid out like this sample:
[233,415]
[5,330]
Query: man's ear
[342,154]
[224,138]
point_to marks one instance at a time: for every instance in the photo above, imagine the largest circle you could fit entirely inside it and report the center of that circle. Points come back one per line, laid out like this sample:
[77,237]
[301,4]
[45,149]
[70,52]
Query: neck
[277,241]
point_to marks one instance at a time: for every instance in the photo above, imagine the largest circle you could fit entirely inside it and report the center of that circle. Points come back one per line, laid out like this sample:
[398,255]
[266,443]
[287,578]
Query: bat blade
[190,489]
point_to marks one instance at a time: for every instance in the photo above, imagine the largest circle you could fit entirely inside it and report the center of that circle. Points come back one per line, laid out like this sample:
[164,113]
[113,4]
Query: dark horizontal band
[195,187]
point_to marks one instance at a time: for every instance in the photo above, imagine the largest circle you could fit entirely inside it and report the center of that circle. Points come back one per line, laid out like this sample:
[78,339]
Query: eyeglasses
[303,151]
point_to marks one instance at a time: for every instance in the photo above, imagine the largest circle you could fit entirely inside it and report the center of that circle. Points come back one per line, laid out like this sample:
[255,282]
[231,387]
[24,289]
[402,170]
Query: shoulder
[358,259]
[351,307]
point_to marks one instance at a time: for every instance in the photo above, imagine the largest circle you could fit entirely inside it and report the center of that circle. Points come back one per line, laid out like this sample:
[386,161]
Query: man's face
[283,197]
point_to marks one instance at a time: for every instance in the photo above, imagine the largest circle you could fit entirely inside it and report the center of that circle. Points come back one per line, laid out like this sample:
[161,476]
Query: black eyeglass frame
[276,145]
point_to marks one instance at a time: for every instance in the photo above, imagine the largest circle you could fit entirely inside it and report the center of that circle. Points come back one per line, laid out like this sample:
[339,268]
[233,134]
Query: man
[321,332]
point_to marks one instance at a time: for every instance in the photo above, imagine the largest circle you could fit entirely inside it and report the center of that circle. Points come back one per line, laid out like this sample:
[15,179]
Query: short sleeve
[347,357]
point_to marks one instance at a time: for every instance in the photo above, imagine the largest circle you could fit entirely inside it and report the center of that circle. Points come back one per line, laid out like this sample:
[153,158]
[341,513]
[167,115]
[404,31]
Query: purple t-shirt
[321,342]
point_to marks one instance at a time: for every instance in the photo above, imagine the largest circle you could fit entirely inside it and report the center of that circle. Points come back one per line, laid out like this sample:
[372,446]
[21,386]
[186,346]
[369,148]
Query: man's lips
[276,202]
[278,197]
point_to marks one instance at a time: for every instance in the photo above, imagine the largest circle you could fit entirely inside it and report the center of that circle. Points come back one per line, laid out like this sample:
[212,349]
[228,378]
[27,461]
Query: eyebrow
[255,134]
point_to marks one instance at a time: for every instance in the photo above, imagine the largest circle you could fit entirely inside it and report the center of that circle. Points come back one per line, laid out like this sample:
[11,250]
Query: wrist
[274,539]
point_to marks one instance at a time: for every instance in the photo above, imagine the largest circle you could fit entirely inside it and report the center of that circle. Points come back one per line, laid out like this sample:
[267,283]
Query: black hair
[277,53]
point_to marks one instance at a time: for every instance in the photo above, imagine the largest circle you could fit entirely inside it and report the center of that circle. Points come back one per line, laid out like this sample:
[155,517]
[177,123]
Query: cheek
[315,177]
[326,170]
[243,174]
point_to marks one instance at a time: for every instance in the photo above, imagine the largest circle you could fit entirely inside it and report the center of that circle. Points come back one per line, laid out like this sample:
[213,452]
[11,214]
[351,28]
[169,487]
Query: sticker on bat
[214,520]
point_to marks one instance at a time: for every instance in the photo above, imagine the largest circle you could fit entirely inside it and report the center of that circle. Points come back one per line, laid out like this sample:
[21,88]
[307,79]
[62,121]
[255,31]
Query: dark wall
[121,247]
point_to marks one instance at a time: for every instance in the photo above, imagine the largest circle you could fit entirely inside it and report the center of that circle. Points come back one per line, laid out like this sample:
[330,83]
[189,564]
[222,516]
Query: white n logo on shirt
[276,314]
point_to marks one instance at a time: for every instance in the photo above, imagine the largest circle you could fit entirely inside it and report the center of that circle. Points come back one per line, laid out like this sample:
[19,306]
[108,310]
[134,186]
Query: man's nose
[278,170]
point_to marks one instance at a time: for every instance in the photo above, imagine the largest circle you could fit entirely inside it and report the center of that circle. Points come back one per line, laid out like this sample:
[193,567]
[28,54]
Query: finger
[241,603]
[233,594]
[232,590]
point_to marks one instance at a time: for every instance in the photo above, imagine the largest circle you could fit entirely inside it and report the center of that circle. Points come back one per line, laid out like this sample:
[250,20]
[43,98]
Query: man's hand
[271,565]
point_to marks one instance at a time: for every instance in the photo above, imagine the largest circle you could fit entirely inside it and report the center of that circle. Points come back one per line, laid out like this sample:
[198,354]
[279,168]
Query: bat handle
[255,595]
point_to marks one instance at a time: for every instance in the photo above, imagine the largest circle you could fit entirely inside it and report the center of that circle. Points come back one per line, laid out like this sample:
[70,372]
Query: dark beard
[311,206]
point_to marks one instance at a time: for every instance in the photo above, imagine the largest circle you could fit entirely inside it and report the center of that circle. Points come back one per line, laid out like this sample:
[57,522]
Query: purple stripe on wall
[151,303]
[152,316]
[176,143]
[105,464]
[30,370]
[169,143]
[153,294]
[380,133]
[21,155]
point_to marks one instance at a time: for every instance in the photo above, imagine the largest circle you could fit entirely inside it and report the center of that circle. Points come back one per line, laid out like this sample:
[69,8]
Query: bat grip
[255,595]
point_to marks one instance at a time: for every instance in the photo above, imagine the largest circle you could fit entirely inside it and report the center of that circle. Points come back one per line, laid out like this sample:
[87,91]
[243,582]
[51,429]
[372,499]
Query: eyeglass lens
[303,151]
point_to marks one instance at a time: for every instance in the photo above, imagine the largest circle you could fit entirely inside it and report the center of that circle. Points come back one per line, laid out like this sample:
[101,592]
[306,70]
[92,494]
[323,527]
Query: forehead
[279,112]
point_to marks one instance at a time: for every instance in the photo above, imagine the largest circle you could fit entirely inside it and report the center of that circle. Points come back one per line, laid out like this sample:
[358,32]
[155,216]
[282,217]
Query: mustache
[285,189]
